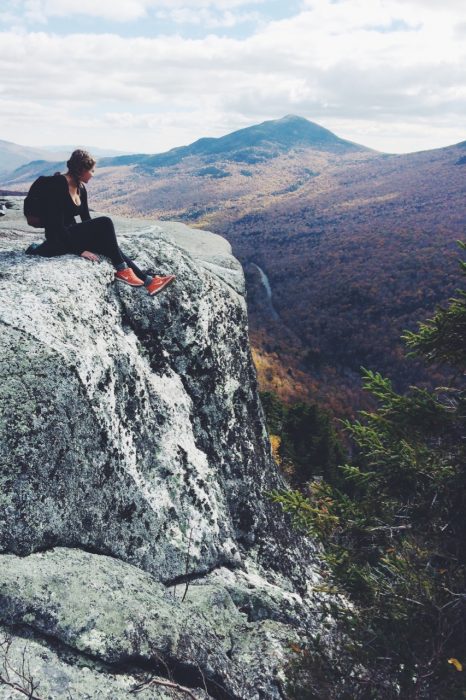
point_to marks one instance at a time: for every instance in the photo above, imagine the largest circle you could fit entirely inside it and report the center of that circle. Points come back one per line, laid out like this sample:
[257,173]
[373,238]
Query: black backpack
[36,199]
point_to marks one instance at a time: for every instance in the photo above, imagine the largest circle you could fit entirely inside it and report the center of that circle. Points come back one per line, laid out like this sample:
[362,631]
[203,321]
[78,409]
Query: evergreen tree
[395,532]
[274,411]
[309,445]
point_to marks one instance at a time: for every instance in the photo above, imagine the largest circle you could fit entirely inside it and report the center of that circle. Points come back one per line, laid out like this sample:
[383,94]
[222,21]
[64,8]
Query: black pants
[96,235]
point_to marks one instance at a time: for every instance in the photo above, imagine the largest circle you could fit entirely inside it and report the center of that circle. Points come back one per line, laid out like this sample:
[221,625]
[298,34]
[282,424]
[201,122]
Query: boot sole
[117,279]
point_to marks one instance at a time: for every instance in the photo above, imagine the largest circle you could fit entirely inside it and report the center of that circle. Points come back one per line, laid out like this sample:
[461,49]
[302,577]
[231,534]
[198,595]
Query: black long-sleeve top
[59,214]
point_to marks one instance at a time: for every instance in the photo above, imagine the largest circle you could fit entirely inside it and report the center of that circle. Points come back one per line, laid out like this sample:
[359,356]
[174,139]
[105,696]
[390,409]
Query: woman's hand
[90,256]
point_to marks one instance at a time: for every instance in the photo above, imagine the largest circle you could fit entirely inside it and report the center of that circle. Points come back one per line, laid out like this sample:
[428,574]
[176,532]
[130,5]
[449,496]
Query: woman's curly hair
[78,162]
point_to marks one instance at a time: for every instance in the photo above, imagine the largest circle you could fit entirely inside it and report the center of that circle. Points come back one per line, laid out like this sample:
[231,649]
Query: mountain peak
[291,130]
[253,144]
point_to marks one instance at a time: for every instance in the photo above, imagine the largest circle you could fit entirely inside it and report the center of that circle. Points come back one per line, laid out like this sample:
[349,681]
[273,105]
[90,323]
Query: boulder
[136,529]
[112,611]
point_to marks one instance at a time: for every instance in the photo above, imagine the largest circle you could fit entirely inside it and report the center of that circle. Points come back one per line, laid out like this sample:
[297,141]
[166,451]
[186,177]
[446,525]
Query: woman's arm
[85,215]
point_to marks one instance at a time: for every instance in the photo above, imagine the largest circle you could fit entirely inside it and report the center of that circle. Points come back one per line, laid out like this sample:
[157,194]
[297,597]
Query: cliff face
[135,529]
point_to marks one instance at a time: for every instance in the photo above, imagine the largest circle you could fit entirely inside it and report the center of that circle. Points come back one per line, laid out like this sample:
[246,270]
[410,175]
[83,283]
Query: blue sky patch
[396,25]
[189,23]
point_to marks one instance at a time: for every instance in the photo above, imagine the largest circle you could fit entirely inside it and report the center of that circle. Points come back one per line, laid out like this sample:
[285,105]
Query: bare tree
[20,679]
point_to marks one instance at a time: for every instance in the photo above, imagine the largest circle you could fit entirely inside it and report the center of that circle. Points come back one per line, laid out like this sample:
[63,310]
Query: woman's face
[86,175]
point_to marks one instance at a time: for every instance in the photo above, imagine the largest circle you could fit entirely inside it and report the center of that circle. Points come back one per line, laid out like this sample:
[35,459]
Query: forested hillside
[353,265]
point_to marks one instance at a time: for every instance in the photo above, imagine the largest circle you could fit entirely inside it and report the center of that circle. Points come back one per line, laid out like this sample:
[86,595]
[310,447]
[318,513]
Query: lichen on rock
[135,464]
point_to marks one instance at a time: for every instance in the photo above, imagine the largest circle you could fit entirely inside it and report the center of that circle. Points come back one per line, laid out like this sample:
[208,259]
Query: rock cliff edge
[137,540]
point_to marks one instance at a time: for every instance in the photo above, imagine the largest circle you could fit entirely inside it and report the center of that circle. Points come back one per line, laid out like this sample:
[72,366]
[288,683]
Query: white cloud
[383,65]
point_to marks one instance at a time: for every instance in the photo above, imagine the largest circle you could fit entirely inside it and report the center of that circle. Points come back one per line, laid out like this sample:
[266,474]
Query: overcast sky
[147,75]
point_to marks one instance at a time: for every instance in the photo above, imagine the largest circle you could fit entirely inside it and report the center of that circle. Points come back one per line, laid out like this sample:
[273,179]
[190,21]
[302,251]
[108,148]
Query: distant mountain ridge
[13,156]
[28,172]
[250,145]
[253,144]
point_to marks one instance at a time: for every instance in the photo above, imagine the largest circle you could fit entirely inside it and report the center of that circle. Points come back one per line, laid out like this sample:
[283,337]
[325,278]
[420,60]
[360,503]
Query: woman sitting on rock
[66,197]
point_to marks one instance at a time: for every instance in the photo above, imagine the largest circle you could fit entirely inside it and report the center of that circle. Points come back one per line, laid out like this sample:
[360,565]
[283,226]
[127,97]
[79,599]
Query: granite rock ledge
[136,536]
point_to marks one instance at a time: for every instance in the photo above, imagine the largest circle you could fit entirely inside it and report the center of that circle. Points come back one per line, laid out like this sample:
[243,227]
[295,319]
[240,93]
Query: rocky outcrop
[112,611]
[136,535]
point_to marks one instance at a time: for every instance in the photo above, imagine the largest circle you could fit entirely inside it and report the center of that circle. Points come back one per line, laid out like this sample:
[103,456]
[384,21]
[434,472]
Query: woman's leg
[43,249]
[137,271]
[98,236]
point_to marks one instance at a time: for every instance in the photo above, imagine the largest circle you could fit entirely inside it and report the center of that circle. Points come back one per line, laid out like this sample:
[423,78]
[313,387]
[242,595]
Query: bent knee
[104,221]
